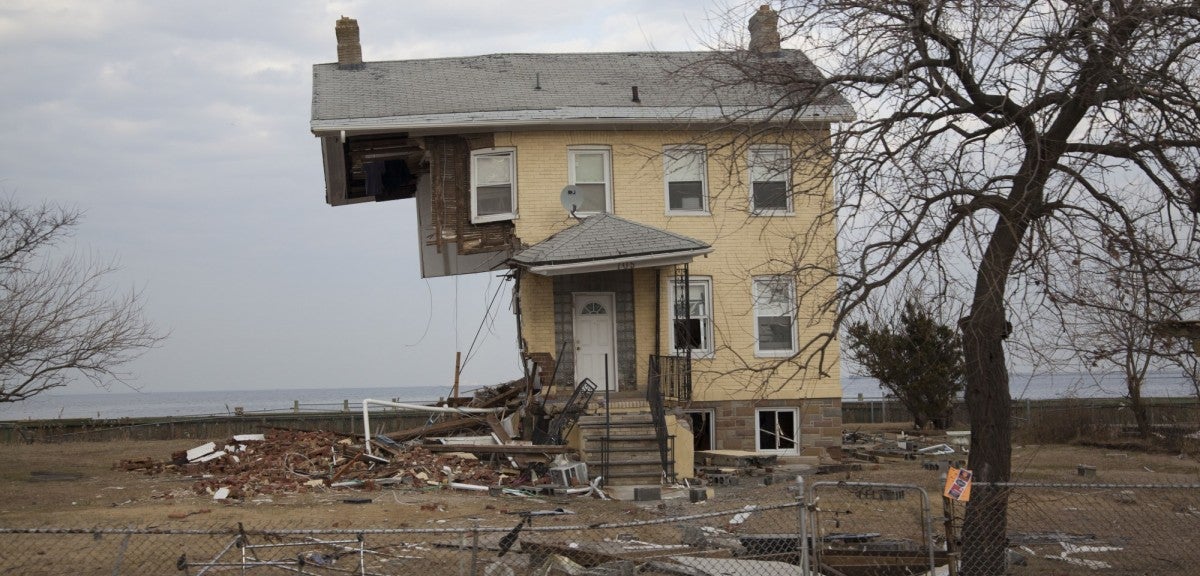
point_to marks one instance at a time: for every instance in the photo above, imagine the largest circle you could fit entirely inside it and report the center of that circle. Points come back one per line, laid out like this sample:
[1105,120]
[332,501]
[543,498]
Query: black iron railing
[672,375]
[658,412]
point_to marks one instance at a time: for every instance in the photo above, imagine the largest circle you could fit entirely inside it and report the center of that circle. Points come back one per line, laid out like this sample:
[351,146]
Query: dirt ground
[75,484]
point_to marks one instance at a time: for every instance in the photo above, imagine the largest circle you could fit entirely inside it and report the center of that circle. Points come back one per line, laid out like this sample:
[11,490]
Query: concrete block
[697,494]
[1086,471]
[647,493]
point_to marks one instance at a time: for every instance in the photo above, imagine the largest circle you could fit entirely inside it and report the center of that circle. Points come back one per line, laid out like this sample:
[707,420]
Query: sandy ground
[75,484]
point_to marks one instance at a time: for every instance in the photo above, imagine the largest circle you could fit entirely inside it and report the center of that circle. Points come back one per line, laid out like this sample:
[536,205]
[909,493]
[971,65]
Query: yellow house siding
[537,314]
[644,301]
[745,246]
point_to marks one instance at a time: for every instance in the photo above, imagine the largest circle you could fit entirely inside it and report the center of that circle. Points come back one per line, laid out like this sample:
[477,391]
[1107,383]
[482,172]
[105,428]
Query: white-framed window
[778,430]
[685,174]
[774,314]
[493,184]
[694,332]
[590,172]
[770,169]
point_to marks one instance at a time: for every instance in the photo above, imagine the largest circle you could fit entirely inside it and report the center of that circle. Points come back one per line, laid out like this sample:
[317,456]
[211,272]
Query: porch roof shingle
[604,236]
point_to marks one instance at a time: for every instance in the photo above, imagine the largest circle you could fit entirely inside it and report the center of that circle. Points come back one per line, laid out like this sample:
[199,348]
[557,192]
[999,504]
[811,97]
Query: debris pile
[285,461]
[935,451]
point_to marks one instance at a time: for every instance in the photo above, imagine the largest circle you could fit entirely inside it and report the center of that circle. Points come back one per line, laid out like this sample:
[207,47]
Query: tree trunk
[1140,414]
[984,534]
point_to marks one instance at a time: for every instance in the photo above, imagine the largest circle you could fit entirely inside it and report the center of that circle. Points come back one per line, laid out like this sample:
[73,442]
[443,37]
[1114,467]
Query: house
[651,219]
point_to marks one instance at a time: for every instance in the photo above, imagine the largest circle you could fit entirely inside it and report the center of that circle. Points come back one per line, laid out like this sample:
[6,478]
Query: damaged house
[651,225]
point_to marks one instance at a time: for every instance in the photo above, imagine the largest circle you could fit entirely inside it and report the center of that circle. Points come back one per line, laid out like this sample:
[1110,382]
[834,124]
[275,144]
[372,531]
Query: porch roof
[606,242]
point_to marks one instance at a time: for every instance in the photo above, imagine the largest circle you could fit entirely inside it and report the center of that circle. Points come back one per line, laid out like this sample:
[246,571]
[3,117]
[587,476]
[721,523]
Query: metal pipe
[417,407]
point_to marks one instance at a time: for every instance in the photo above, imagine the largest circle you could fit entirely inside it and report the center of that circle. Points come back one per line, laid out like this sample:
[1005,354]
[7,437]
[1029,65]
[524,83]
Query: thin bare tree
[994,140]
[58,319]
[1112,304]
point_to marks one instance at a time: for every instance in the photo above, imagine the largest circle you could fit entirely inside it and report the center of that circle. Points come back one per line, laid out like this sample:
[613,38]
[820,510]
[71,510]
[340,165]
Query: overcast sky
[181,130]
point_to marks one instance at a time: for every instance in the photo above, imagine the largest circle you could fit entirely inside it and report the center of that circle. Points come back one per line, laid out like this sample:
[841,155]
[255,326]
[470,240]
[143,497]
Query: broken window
[777,430]
[774,330]
[590,172]
[769,168]
[691,325]
[493,185]
[684,173]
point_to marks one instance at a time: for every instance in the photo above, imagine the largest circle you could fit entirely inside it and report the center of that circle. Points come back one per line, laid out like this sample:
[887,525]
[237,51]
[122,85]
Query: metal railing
[672,375]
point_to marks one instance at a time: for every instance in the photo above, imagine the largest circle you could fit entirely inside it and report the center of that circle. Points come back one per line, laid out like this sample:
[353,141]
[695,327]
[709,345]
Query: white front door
[595,337]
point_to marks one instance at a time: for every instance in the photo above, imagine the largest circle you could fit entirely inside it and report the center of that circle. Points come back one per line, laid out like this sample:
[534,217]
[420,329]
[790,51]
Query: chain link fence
[851,529]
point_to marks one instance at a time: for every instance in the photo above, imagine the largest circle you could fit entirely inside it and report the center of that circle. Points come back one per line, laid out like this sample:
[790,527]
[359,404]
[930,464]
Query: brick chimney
[348,47]
[764,31]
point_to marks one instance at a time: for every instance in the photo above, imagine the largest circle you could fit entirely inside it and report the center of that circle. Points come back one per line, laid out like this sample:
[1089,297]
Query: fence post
[475,549]
[804,569]
[296,406]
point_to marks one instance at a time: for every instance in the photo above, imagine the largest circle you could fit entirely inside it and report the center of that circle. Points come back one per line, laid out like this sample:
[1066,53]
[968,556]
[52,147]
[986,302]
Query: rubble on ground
[287,461]
[461,451]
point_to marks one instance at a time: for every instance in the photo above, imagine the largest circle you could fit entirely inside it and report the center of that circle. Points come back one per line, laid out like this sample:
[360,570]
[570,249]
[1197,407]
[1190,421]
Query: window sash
[591,174]
[774,315]
[493,185]
[769,177]
[684,173]
[778,430]
[695,333]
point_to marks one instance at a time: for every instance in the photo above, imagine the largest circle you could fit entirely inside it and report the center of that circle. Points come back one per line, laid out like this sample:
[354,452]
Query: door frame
[611,301]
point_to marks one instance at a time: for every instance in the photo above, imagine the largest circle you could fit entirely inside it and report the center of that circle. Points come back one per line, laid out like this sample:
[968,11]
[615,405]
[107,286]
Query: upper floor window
[769,182]
[691,325]
[684,173]
[590,171]
[493,184]
[774,309]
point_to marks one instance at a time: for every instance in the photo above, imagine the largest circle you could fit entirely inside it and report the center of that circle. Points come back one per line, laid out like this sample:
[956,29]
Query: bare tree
[57,318]
[1111,309]
[995,140]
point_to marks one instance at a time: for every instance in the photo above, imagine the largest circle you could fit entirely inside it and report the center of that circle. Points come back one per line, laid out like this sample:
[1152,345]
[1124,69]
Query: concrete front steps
[633,456]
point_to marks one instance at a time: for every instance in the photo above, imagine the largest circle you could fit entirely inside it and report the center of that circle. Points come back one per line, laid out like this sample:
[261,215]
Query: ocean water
[123,403]
[1165,384]
[126,403]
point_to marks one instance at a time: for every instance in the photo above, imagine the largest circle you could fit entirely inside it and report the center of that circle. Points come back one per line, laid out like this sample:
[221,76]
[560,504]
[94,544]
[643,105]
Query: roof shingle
[604,236]
[672,86]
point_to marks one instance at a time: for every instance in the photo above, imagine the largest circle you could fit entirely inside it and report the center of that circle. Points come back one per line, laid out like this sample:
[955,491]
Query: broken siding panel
[450,179]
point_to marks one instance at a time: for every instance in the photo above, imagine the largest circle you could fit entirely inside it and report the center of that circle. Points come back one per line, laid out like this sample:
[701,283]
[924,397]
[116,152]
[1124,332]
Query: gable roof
[604,241]
[534,89]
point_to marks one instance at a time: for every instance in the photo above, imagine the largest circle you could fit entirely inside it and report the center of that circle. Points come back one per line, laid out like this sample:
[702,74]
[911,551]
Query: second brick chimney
[349,49]
[764,31]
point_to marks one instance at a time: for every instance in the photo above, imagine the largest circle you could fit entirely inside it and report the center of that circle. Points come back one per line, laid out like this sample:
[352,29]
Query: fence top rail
[1074,485]
[233,530]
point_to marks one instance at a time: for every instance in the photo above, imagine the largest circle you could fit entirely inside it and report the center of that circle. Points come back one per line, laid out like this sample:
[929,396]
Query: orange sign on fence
[958,484]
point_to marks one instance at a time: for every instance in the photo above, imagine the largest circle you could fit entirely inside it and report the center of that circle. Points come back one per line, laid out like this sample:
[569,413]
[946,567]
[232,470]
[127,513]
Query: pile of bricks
[288,461]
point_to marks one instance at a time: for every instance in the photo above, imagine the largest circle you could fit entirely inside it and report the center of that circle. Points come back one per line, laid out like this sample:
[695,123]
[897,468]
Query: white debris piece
[210,456]
[249,437]
[221,494]
[201,450]
[742,516]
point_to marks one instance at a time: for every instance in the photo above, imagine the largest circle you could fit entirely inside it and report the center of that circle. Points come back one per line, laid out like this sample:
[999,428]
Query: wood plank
[452,425]
[498,448]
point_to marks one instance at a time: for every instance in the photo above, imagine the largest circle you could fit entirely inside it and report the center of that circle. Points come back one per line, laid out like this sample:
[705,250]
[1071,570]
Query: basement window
[493,185]
[778,430]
